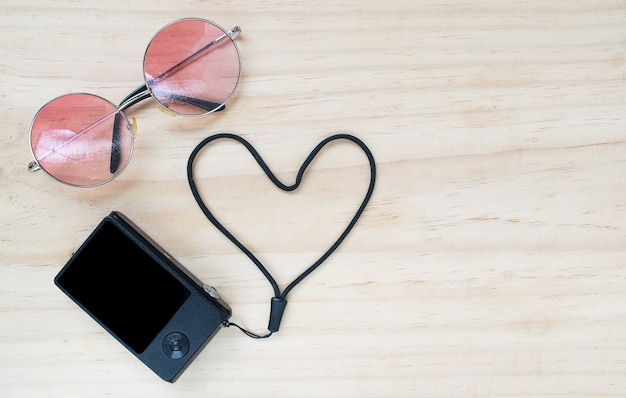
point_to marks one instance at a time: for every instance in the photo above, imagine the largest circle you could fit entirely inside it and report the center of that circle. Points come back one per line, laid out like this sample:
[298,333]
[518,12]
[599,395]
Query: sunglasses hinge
[33,166]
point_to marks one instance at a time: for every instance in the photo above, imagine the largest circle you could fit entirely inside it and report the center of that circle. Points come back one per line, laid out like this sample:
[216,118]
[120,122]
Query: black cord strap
[279,301]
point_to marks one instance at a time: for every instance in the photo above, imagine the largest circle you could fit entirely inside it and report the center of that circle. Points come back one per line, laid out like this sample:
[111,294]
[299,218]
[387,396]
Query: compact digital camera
[142,296]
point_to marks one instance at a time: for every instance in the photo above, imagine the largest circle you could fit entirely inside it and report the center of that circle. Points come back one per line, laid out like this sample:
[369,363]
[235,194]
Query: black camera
[142,296]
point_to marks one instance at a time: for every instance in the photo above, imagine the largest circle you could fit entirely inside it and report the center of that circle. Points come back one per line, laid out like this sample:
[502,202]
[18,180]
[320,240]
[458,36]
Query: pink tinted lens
[192,67]
[81,139]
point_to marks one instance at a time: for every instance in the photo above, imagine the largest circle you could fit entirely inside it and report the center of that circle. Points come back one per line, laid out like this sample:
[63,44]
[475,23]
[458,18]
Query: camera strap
[279,301]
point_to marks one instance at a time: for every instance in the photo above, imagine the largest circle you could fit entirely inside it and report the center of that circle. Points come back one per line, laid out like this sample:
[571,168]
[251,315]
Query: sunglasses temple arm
[232,35]
[143,93]
[138,95]
[202,104]
[197,102]
[116,156]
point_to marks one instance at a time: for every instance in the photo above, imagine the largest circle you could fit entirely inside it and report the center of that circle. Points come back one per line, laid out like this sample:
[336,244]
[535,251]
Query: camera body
[142,296]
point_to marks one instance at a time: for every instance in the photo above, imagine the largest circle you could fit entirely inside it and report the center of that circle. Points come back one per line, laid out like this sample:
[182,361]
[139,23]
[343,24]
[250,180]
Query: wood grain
[489,263]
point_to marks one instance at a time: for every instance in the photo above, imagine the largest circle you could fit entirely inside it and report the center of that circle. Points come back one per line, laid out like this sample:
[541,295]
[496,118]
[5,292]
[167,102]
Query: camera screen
[123,287]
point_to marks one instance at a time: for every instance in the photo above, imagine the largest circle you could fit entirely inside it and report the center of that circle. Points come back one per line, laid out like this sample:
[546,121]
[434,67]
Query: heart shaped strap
[279,301]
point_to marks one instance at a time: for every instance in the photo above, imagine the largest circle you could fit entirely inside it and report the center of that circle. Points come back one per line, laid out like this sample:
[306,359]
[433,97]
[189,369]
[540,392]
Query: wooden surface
[491,261]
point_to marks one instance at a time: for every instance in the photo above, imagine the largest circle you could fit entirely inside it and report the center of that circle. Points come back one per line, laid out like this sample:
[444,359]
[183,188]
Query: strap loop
[279,301]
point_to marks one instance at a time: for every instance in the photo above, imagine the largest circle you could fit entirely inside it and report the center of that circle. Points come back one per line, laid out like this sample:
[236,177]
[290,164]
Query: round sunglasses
[191,68]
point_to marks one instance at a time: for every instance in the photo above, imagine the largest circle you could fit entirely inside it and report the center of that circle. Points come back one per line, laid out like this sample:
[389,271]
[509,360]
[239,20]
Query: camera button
[175,345]
[211,291]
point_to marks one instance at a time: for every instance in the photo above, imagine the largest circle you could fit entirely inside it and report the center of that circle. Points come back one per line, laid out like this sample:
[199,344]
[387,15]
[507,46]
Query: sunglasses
[191,67]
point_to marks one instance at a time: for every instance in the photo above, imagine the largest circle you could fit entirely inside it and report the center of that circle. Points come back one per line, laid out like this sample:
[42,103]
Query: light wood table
[491,261]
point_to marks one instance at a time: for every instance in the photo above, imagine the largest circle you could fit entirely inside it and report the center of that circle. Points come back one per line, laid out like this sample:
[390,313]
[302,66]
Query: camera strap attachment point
[279,301]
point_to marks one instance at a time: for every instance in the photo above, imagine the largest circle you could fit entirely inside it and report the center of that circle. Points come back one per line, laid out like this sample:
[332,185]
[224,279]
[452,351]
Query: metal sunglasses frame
[140,94]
